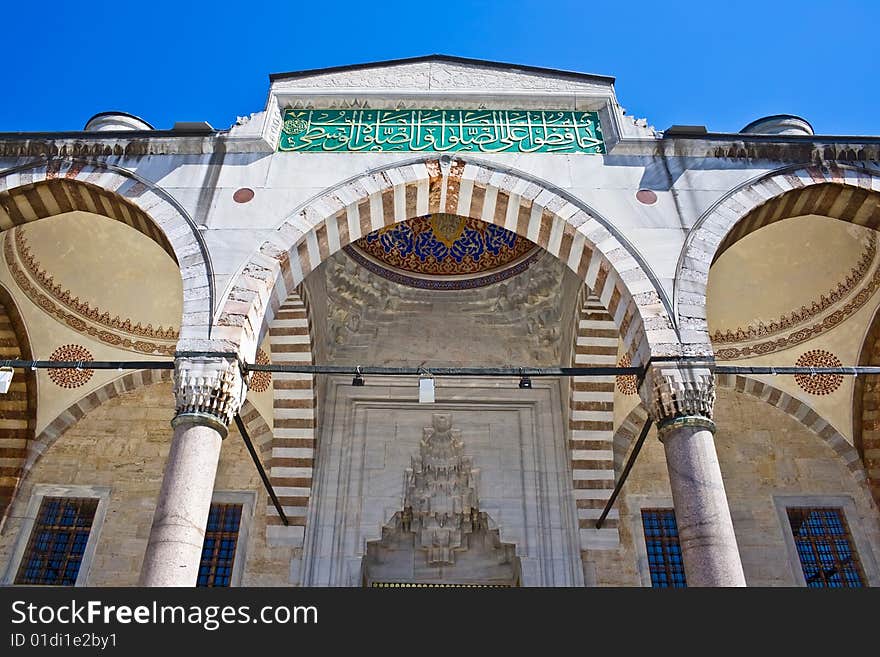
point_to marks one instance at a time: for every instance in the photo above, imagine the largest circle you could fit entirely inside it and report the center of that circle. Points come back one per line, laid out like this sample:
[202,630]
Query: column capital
[207,391]
[679,396]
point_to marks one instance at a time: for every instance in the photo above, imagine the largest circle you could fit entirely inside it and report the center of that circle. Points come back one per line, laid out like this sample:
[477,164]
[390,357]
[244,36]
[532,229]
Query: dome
[115,122]
[779,124]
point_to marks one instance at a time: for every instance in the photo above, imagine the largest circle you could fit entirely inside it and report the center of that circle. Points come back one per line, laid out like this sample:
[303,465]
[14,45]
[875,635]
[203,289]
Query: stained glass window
[218,551]
[58,541]
[664,550]
[824,547]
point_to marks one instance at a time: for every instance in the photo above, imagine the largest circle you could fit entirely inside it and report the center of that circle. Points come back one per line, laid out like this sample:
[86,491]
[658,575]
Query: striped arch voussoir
[57,186]
[842,192]
[591,425]
[293,443]
[357,207]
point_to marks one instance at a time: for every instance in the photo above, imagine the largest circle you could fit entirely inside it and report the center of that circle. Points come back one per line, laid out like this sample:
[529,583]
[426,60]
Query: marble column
[681,401]
[208,394]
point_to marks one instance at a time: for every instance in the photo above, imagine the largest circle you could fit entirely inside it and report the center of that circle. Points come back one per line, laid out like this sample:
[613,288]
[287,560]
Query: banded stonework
[591,425]
[35,190]
[294,435]
[18,406]
[391,195]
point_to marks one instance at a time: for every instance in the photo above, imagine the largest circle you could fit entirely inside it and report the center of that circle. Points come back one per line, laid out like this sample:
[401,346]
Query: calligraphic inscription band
[419,130]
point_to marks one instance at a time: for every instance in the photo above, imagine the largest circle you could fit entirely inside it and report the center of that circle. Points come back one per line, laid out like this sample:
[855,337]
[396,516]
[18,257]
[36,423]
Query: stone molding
[672,392]
[207,391]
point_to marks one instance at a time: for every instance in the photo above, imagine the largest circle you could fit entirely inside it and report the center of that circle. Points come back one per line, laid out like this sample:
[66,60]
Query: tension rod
[266,483]
[633,455]
[513,372]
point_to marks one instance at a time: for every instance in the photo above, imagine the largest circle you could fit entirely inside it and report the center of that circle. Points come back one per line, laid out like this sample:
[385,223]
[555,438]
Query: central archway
[612,269]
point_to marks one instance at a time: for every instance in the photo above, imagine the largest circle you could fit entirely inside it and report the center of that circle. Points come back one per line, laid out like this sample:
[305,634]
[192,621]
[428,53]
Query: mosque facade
[441,261]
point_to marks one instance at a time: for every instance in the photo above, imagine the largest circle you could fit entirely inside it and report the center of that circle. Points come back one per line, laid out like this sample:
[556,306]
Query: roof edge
[438,58]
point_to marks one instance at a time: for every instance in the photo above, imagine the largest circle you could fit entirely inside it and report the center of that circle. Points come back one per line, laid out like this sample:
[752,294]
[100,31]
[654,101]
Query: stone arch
[49,187]
[575,234]
[843,192]
[295,420]
[259,431]
[798,409]
[18,406]
[257,427]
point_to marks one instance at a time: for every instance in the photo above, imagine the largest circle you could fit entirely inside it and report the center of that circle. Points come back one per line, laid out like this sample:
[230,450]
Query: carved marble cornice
[677,395]
[207,391]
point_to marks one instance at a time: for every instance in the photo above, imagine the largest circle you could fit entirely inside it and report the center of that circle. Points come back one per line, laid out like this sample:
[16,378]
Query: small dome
[779,124]
[116,121]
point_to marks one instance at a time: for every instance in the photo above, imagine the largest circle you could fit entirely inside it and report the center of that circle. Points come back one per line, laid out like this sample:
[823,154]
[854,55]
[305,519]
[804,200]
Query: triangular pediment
[442,73]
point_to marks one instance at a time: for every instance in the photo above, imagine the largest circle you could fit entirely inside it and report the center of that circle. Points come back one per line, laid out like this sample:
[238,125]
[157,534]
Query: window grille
[824,547]
[58,541]
[218,551]
[664,550]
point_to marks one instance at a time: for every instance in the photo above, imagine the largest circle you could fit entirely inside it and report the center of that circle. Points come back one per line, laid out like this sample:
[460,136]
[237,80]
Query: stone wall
[123,445]
[515,438]
[763,454]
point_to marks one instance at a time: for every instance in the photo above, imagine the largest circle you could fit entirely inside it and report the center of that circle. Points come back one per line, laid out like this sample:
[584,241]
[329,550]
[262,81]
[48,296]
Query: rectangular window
[218,552]
[824,547]
[58,541]
[664,550]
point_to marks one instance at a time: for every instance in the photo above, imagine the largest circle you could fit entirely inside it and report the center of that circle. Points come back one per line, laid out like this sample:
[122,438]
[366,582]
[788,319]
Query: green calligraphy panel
[441,131]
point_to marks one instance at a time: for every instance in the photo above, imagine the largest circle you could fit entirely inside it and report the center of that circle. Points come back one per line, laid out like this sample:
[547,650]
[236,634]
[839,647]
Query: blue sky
[710,63]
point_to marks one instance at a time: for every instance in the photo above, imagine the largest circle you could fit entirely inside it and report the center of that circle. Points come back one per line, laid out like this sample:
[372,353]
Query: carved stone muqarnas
[208,387]
[671,392]
[440,499]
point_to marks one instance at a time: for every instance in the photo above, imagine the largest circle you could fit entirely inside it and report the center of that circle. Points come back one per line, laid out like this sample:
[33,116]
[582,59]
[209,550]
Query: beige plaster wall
[109,264]
[124,445]
[763,453]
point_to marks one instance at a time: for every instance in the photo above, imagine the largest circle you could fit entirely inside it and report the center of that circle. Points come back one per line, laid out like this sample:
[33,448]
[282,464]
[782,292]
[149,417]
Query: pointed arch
[572,232]
[843,192]
[80,408]
[295,420]
[18,406]
[796,408]
[591,423]
[49,187]
[257,427]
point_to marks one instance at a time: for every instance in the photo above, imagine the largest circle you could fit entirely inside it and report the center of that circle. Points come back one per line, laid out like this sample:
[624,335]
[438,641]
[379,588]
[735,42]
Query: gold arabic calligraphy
[484,131]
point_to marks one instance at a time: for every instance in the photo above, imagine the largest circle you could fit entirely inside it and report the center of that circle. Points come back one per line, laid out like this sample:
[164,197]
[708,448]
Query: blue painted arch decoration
[444,251]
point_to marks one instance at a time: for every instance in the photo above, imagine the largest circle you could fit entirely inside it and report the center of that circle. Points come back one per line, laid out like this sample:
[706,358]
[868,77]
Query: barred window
[58,541]
[218,552]
[664,550]
[824,547]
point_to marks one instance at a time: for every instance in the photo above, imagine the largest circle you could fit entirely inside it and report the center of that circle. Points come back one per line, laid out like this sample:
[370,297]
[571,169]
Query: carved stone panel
[383,480]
